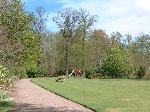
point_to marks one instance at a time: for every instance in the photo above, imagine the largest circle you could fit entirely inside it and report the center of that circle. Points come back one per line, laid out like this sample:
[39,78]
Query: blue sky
[125,16]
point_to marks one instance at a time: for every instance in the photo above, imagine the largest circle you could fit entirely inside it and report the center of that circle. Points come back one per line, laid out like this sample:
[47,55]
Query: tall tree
[67,20]
[143,50]
[101,47]
[18,45]
[86,21]
[40,28]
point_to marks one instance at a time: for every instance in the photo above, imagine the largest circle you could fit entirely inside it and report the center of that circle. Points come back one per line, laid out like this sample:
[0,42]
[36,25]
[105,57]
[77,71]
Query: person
[79,72]
[76,72]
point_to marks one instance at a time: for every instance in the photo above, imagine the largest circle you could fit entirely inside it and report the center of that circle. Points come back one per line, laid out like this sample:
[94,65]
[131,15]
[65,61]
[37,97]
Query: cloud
[125,16]
[144,4]
[131,24]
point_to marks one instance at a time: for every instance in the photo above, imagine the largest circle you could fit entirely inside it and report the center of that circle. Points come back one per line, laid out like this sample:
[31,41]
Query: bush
[3,96]
[31,70]
[42,72]
[87,73]
[6,77]
[116,65]
[140,72]
[21,73]
[60,72]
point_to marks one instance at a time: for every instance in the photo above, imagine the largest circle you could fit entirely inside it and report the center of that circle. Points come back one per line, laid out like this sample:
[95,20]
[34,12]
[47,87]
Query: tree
[39,27]
[86,21]
[141,51]
[68,22]
[101,47]
[117,64]
[18,45]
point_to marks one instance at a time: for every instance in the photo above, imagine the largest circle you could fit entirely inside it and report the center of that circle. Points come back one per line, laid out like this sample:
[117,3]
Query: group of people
[76,72]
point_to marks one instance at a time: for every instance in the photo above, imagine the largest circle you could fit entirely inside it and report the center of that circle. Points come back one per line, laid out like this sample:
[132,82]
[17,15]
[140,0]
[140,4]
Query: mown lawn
[104,95]
[6,106]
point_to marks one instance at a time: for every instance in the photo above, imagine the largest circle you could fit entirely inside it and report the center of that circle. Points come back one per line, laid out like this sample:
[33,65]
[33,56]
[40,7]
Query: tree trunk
[83,62]
[67,56]
[38,64]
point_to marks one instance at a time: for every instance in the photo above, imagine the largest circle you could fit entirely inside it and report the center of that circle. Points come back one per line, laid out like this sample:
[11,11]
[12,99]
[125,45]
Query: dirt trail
[32,98]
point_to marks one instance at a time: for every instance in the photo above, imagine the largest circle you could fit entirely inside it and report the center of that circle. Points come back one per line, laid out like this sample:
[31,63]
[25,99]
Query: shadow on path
[36,108]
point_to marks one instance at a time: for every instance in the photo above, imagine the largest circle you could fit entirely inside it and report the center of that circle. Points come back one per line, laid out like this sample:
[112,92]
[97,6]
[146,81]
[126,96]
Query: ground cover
[103,95]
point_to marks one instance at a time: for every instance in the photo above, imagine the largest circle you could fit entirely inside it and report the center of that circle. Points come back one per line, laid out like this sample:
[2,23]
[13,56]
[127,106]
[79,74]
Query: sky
[125,16]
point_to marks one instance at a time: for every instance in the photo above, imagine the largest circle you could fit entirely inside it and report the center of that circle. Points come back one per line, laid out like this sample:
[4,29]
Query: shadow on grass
[25,107]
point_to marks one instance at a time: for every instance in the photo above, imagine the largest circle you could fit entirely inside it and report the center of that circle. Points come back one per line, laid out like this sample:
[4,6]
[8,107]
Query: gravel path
[32,98]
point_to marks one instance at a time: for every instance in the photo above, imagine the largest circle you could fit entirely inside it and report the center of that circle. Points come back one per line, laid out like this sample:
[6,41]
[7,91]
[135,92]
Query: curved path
[32,98]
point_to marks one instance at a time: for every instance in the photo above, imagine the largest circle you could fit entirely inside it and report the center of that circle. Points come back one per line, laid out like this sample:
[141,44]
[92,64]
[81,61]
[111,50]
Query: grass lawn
[6,106]
[103,95]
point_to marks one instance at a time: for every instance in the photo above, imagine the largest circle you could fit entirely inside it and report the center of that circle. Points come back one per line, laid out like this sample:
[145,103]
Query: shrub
[42,72]
[140,72]
[20,72]
[31,70]
[87,73]
[6,77]
[60,72]
[3,96]
[116,65]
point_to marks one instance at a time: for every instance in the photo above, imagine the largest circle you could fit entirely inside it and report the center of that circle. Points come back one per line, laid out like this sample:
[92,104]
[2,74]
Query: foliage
[98,47]
[60,72]
[116,65]
[6,77]
[86,22]
[88,73]
[27,48]
[42,72]
[3,96]
[31,70]
[19,45]
[140,72]
[68,22]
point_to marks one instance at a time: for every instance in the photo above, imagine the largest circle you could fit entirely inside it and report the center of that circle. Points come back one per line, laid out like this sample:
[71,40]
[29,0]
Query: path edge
[63,96]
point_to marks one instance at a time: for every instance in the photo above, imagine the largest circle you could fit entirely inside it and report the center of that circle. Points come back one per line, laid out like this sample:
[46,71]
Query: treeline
[114,56]
[28,49]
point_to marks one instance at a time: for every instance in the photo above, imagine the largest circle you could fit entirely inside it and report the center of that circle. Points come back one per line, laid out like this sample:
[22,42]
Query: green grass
[105,95]
[6,106]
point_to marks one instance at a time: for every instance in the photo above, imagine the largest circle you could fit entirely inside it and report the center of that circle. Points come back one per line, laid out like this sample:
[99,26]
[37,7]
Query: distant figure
[79,73]
[76,72]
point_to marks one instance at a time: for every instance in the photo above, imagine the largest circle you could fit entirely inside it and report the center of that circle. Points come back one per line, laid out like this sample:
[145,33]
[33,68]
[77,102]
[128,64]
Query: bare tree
[68,22]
